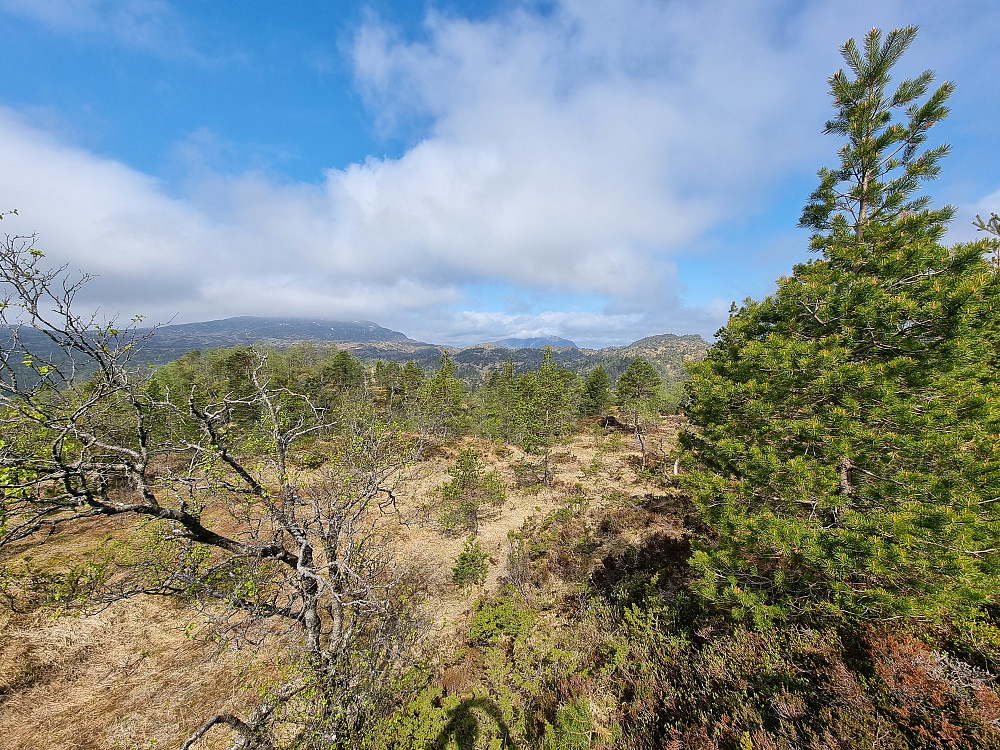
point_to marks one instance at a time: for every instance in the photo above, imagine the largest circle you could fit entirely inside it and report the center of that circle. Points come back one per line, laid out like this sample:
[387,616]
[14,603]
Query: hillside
[369,341]
[585,628]
[361,336]
[535,342]
[277,331]
[582,621]
[85,681]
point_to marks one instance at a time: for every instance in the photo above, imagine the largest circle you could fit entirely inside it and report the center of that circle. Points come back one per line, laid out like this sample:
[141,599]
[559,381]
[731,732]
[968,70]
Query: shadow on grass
[662,553]
[464,726]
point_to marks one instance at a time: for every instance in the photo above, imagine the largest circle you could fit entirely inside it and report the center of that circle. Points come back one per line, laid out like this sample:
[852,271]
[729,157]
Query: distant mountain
[537,342]
[277,331]
[171,341]
[365,339]
[666,352]
[370,341]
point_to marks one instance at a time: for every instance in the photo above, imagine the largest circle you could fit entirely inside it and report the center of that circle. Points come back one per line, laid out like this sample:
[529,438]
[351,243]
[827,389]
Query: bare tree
[214,506]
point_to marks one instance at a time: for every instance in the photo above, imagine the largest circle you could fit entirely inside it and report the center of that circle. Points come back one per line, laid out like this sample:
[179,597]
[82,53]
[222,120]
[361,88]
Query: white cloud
[578,152]
[146,24]
[97,212]
[579,327]
[990,204]
[235,246]
[962,227]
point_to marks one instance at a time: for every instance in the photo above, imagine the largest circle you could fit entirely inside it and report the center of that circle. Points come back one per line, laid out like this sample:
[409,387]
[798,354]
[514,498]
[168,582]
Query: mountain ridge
[285,331]
[367,340]
[534,342]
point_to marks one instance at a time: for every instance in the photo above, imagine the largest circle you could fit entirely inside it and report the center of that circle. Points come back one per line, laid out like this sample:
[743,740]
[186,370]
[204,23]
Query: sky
[460,171]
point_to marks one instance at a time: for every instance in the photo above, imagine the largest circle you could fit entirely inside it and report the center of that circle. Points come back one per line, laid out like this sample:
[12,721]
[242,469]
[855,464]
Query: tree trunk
[844,468]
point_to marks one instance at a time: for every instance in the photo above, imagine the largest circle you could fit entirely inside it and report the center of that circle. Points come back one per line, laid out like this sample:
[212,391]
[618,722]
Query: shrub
[472,495]
[501,616]
[471,564]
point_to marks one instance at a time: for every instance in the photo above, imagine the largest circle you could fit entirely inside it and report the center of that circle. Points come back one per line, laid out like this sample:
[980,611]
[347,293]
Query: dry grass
[573,475]
[128,677]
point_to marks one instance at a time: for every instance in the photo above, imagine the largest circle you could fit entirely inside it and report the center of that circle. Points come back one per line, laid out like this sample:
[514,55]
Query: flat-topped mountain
[276,331]
[363,338]
[535,342]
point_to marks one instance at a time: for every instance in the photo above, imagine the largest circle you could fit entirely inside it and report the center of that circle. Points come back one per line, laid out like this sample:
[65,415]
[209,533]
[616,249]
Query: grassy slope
[127,675]
[601,646]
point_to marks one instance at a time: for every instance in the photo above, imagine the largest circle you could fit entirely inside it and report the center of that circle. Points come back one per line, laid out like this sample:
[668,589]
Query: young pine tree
[471,496]
[441,399]
[638,395]
[596,395]
[502,407]
[844,429]
[549,399]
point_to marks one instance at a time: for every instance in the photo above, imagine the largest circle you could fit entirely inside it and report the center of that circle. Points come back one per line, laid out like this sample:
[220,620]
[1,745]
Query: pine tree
[845,427]
[637,394]
[596,396]
[880,163]
[992,228]
[473,495]
[342,371]
[502,408]
[441,400]
[411,381]
[555,394]
[549,408]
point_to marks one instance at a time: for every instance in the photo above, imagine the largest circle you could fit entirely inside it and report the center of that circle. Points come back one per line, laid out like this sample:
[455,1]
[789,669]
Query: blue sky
[458,171]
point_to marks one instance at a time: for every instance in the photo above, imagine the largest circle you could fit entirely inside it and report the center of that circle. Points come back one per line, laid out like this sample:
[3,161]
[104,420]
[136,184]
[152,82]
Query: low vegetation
[265,549]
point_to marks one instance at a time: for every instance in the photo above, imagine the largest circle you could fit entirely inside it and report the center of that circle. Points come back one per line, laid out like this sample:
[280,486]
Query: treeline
[532,409]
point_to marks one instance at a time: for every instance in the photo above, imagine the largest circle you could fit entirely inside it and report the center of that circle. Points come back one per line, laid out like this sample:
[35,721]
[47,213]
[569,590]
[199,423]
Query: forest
[300,549]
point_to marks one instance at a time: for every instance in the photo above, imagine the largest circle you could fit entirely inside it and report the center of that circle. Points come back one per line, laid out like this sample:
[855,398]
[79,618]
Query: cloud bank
[582,152]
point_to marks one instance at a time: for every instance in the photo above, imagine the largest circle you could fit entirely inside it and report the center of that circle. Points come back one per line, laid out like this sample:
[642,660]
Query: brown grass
[128,677]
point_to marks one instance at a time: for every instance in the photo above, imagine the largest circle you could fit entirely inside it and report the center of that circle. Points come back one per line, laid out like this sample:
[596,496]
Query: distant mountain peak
[534,342]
